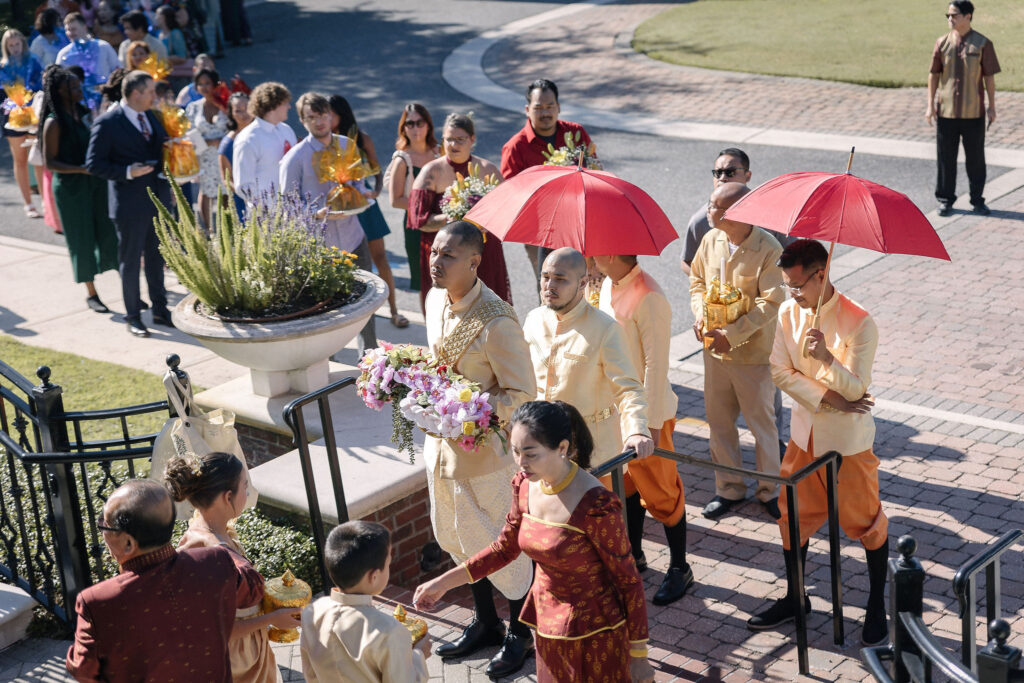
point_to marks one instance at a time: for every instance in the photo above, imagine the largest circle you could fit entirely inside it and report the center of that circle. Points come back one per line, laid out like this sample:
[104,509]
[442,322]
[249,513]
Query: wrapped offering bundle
[417,627]
[344,167]
[465,192]
[569,153]
[158,68]
[723,304]
[180,157]
[18,107]
[285,591]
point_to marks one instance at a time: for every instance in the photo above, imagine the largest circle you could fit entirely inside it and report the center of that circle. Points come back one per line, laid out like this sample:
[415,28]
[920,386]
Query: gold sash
[453,346]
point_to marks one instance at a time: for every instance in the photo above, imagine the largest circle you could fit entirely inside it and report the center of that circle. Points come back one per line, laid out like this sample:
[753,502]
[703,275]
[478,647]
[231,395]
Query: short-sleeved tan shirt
[962,63]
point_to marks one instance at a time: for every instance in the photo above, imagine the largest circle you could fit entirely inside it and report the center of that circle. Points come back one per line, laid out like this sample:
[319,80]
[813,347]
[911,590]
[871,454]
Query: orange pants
[860,510]
[657,480]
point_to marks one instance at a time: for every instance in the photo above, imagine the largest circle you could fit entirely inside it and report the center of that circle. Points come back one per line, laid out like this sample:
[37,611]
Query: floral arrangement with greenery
[271,263]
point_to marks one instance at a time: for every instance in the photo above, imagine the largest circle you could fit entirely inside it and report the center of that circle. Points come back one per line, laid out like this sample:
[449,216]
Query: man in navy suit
[125,147]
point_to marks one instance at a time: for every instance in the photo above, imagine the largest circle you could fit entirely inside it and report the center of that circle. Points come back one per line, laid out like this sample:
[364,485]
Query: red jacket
[166,617]
[525,149]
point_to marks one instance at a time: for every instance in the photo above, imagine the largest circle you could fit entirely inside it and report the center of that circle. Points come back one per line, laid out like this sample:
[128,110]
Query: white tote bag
[195,433]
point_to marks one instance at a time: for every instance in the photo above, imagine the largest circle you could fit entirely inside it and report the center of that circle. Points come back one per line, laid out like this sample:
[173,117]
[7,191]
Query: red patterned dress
[493,271]
[587,601]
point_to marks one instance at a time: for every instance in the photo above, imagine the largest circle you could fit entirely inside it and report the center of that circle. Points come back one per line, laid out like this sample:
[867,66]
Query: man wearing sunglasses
[963,69]
[168,615]
[831,412]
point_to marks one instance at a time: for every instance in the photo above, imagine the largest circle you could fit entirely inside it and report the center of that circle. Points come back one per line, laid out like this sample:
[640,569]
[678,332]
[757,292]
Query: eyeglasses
[101,524]
[796,289]
[418,123]
[725,172]
[456,141]
[950,16]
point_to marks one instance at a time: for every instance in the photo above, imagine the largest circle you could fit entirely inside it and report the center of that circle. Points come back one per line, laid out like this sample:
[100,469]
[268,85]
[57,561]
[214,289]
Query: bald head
[567,259]
[727,194]
[142,509]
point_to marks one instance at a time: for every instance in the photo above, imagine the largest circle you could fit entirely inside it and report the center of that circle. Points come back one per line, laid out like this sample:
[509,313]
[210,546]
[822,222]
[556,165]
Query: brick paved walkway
[591,66]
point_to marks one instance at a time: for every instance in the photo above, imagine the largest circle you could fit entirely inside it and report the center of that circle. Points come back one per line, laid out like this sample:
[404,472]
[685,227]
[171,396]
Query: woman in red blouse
[587,602]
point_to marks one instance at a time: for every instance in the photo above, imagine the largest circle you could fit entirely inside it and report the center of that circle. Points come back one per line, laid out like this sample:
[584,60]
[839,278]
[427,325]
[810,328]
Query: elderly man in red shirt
[168,615]
[526,148]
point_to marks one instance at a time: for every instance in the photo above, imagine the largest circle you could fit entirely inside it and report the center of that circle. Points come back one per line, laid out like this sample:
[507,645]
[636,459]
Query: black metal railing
[293,417]
[831,461]
[914,654]
[55,480]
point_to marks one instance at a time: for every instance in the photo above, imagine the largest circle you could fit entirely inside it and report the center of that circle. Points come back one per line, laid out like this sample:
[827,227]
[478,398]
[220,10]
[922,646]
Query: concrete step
[15,614]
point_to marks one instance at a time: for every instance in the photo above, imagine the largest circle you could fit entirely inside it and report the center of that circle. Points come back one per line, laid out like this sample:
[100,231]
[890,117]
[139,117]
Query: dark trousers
[137,240]
[949,132]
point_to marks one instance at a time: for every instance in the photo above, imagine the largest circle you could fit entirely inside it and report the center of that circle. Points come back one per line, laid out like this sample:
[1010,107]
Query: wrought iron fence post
[997,661]
[66,522]
[907,595]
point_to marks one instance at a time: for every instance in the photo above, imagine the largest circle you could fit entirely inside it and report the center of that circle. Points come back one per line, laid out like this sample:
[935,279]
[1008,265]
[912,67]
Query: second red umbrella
[594,212]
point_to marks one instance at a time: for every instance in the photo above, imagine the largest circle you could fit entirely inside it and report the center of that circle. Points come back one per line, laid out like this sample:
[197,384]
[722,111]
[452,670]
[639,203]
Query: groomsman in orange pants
[634,299]
[831,412]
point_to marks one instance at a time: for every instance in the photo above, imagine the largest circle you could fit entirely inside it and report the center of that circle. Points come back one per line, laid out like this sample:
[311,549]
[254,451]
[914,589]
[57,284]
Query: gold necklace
[560,486]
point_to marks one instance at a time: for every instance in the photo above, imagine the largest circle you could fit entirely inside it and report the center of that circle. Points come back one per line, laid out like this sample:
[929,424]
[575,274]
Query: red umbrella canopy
[594,212]
[842,208]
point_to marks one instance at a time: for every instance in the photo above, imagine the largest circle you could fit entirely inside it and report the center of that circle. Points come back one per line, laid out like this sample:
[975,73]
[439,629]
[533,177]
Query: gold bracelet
[638,652]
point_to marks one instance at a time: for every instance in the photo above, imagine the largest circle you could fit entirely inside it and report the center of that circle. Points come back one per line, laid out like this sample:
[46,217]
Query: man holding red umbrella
[831,412]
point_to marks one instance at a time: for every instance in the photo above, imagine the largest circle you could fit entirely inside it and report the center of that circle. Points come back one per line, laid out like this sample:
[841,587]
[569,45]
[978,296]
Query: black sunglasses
[725,172]
[101,524]
[419,123]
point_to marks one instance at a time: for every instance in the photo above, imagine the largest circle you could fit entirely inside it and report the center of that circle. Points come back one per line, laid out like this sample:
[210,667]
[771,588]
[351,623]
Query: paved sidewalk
[590,57]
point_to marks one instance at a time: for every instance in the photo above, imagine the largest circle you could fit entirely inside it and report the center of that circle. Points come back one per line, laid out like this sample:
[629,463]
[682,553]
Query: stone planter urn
[288,355]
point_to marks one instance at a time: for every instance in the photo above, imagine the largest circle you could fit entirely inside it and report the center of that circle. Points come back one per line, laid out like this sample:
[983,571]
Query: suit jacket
[584,360]
[114,145]
[852,337]
[166,617]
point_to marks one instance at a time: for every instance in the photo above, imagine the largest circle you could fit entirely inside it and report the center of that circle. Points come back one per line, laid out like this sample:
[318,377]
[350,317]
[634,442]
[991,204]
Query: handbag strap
[178,396]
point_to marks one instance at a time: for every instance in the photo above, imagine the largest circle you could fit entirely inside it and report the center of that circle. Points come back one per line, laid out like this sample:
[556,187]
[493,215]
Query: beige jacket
[852,337]
[638,304]
[499,360]
[583,359]
[345,639]
[752,270]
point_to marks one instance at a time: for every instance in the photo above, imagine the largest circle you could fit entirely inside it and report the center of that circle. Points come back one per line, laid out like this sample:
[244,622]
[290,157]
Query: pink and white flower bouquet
[426,395]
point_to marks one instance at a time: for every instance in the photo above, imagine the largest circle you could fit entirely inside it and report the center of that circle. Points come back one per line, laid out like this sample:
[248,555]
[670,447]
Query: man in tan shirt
[736,374]
[472,330]
[831,412]
[580,356]
[634,299]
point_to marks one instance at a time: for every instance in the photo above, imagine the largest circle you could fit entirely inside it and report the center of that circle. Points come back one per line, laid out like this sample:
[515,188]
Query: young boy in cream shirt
[344,636]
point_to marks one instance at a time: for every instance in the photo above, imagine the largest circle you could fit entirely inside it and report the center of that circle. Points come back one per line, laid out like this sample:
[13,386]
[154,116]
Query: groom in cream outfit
[470,329]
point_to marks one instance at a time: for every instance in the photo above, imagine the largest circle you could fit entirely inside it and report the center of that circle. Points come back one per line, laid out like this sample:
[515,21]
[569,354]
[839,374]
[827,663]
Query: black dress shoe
[945,209]
[674,586]
[477,636]
[136,328]
[164,320]
[981,209]
[641,562]
[719,506]
[772,506]
[95,304]
[778,613]
[510,658]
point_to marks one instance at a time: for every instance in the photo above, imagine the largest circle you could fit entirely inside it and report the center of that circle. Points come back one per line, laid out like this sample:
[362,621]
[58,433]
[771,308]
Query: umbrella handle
[805,350]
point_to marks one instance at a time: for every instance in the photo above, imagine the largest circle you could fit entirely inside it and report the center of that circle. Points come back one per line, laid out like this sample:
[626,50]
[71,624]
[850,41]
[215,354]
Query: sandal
[399,320]
[31,212]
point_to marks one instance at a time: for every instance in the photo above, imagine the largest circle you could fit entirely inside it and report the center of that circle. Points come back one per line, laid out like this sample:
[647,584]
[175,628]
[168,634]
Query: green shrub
[279,544]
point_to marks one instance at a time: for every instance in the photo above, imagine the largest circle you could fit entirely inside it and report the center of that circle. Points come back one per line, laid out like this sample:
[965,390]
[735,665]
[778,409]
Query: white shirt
[259,148]
[106,59]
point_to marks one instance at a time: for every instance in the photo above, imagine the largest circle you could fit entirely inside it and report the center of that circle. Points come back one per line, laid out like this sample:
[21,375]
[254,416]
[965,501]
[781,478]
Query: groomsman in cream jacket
[580,356]
[831,411]
[634,299]
[470,329]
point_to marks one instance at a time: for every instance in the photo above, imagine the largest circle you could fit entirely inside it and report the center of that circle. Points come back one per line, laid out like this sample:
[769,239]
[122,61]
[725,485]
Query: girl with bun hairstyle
[216,485]
[587,601]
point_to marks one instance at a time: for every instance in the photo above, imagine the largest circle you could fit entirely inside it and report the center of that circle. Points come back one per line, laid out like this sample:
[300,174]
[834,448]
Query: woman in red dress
[425,205]
[587,602]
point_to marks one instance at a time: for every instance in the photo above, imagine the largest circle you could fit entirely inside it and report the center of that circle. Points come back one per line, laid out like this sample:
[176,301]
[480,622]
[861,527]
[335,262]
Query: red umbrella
[840,208]
[594,212]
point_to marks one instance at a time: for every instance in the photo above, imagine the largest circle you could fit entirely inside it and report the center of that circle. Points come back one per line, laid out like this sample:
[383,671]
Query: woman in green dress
[81,197]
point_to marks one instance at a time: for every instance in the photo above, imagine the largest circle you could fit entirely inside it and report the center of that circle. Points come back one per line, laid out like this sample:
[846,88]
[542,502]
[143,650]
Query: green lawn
[873,42]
